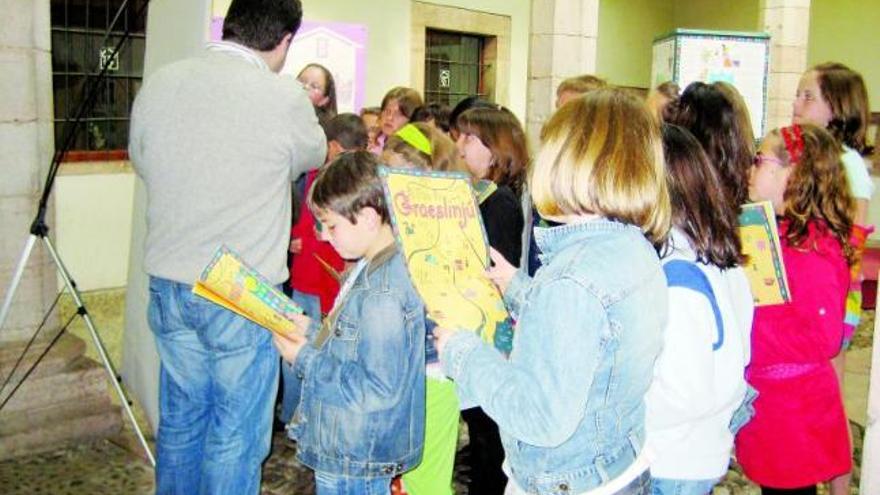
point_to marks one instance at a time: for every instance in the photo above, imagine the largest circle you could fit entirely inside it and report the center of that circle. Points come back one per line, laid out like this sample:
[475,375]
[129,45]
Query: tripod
[40,230]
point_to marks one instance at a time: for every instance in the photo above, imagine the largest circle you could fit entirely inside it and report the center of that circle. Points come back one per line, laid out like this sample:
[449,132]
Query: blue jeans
[290,383]
[331,484]
[217,385]
[664,486]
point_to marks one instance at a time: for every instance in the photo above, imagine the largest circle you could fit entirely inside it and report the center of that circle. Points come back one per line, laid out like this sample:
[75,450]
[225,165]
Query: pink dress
[798,436]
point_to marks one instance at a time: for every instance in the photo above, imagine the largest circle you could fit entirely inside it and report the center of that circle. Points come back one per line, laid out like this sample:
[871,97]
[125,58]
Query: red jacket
[798,436]
[307,273]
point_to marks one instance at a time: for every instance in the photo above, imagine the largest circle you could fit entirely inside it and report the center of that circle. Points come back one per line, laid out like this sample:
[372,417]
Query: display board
[741,59]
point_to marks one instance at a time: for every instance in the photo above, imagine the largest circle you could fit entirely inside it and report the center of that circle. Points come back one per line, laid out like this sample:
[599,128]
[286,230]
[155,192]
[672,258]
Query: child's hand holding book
[501,272]
[290,344]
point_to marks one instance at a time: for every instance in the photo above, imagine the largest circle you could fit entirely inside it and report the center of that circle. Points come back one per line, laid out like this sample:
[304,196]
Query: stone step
[68,348]
[15,422]
[83,379]
[51,435]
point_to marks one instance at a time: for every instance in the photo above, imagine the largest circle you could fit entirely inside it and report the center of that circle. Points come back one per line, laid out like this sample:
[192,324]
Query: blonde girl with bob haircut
[569,402]
[590,168]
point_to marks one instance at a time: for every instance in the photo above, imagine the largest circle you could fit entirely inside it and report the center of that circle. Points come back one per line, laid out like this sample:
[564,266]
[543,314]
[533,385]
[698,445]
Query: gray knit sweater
[218,139]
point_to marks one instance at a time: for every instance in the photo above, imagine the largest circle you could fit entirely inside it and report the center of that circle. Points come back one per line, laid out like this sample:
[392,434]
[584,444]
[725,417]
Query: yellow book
[764,266]
[229,282]
[437,223]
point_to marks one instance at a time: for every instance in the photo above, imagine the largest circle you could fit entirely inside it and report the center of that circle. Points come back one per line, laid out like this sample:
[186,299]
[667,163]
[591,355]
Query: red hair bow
[794,142]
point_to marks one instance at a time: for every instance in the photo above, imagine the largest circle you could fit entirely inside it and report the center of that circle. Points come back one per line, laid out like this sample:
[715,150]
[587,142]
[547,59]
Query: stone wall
[26,141]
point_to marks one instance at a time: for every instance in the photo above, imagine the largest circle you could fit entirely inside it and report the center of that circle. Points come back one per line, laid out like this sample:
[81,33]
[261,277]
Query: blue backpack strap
[681,273]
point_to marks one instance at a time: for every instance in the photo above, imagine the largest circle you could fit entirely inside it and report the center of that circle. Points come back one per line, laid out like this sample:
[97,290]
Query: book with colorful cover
[437,223]
[229,282]
[764,266]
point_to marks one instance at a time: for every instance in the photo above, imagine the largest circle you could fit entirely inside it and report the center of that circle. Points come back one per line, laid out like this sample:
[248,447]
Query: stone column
[562,44]
[26,142]
[788,23]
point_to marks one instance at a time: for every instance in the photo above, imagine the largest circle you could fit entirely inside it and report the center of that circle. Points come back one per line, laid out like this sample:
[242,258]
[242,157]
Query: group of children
[638,362]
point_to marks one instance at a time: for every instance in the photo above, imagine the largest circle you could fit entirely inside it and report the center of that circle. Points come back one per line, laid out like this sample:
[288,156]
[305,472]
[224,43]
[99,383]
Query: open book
[230,282]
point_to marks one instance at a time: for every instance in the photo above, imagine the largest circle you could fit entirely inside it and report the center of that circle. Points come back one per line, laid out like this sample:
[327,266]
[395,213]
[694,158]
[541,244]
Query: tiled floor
[115,466]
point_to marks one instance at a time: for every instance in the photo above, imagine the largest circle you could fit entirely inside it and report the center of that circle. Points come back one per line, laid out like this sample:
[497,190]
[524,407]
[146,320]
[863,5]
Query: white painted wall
[93,224]
[388,42]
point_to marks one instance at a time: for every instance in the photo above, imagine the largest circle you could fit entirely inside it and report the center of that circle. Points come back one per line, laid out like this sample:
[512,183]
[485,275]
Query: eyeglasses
[760,158]
[312,87]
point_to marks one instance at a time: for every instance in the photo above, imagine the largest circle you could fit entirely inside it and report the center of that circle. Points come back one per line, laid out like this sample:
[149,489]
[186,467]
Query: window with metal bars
[454,66]
[78,28]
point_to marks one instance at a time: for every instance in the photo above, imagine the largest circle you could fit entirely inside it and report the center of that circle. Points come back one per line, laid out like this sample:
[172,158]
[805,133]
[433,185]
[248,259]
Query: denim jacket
[362,411]
[570,400]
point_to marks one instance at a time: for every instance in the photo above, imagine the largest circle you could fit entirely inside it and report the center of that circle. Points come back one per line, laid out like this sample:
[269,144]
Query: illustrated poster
[742,64]
[438,227]
[760,242]
[740,59]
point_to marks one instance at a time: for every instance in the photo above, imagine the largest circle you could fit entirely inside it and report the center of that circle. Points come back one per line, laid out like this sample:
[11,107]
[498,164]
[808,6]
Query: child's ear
[333,149]
[370,217]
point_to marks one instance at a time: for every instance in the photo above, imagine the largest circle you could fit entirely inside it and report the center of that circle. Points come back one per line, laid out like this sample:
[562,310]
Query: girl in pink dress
[798,436]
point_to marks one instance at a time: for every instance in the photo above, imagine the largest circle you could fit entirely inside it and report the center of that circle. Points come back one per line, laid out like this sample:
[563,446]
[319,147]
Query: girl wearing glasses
[319,84]
[799,434]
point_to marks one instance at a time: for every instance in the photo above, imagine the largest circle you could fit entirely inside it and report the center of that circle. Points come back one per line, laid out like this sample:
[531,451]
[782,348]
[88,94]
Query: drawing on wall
[338,46]
[440,232]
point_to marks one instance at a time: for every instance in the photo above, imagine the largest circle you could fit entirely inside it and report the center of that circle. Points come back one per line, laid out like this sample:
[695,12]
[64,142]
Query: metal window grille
[454,66]
[78,27]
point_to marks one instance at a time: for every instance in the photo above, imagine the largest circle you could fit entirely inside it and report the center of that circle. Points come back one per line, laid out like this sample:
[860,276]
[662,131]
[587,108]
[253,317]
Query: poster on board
[740,59]
[338,46]
[438,227]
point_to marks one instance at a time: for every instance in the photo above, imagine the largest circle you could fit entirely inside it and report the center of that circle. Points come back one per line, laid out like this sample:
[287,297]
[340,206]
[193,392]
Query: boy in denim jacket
[360,420]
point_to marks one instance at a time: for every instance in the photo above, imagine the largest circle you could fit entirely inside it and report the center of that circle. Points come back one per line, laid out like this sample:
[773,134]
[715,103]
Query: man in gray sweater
[218,139]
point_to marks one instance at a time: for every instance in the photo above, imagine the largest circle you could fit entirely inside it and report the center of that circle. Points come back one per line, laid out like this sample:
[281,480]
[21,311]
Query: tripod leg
[16,278]
[108,366]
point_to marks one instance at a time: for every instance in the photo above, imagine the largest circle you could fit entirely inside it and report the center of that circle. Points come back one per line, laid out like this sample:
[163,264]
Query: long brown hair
[817,188]
[721,126]
[844,90]
[407,99]
[500,131]
[698,206]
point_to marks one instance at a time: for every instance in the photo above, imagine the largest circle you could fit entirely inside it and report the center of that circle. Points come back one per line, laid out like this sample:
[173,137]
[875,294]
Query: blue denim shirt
[570,401]
[362,411]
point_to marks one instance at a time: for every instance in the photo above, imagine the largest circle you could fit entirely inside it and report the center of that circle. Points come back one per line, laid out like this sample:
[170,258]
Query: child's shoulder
[387,272]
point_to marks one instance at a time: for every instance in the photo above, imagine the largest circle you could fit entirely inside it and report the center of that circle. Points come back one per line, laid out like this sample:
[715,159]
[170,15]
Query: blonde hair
[581,84]
[444,154]
[602,155]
